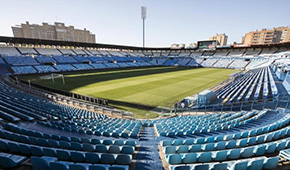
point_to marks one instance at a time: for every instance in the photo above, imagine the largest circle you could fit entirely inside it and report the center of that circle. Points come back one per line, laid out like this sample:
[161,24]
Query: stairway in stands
[147,157]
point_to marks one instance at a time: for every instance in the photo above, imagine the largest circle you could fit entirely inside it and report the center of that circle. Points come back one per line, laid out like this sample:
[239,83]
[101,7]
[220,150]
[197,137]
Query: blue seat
[271,163]
[195,148]
[64,145]
[182,149]
[4,145]
[10,161]
[88,147]
[42,162]
[85,140]
[92,157]
[24,149]
[101,149]
[77,156]
[123,160]
[114,149]
[188,141]
[256,164]
[220,145]
[95,141]
[75,139]
[130,143]
[231,144]
[219,166]
[182,167]
[247,152]
[242,143]
[36,151]
[61,165]
[252,141]
[63,155]
[234,153]
[170,149]
[204,157]
[269,137]
[260,150]
[208,147]
[281,146]
[108,158]
[177,142]
[239,166]
[13,147]
[201,167]
[107,142]
[76,146]
[200,140]
[261,139]
[49,152]
[116,168]
[189,158]
[174,159]
[220,155]
[127,150]
[98,167]
[271,147]
[79,166]
[53,143]
[42,142]
[119,142]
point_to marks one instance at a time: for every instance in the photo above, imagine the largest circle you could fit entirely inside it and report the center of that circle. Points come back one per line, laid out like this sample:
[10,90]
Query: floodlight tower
[143,16]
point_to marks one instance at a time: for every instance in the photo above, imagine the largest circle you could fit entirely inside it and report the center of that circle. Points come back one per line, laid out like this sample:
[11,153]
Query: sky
[167,22]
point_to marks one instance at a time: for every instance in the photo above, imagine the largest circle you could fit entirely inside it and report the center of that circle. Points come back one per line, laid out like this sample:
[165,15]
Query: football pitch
[139,90]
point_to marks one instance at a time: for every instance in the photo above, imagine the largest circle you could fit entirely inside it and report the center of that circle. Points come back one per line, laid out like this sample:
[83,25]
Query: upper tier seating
[27,51]
[48,51]
[45,59]
[9,51]
[65,67]
[65,59]
[22,60]
[23,70]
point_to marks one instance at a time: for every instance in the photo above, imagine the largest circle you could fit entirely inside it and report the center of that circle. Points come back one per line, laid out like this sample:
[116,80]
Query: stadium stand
[27,51]
[9,51]
[48,51]
[68,52]
[45,130]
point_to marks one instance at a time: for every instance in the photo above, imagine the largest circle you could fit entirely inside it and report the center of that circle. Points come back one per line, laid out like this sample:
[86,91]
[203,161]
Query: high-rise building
[58,31]
[220,38]
[267,36]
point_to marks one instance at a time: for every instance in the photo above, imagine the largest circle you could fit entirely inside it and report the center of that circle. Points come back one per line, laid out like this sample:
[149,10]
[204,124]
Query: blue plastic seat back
[271,163]
[204,157]
[189,158]
[256,164]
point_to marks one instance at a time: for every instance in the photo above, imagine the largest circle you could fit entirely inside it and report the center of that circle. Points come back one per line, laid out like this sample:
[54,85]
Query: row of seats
[51,163]
[64,154]
[230,154]
[246,134]
[258,163]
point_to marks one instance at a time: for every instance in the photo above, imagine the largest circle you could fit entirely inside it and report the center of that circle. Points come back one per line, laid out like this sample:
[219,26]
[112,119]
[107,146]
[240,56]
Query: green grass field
[140,89]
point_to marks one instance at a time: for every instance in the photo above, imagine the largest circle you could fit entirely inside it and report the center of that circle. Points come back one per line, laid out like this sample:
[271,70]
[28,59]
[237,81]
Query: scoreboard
[207,45]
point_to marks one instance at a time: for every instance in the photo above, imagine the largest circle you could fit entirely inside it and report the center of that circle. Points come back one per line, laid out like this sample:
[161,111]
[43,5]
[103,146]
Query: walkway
[147,157]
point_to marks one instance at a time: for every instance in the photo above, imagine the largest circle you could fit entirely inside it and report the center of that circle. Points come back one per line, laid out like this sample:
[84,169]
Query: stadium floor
[139,90]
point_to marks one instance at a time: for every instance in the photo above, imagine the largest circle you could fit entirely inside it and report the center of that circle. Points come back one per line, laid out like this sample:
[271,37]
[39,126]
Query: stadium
[72,105]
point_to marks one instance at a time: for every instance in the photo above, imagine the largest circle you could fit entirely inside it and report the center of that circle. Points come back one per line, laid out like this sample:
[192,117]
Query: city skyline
[168,22]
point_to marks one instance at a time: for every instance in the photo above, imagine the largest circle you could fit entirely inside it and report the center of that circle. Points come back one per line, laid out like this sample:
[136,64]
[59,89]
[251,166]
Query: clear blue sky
[168,21]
